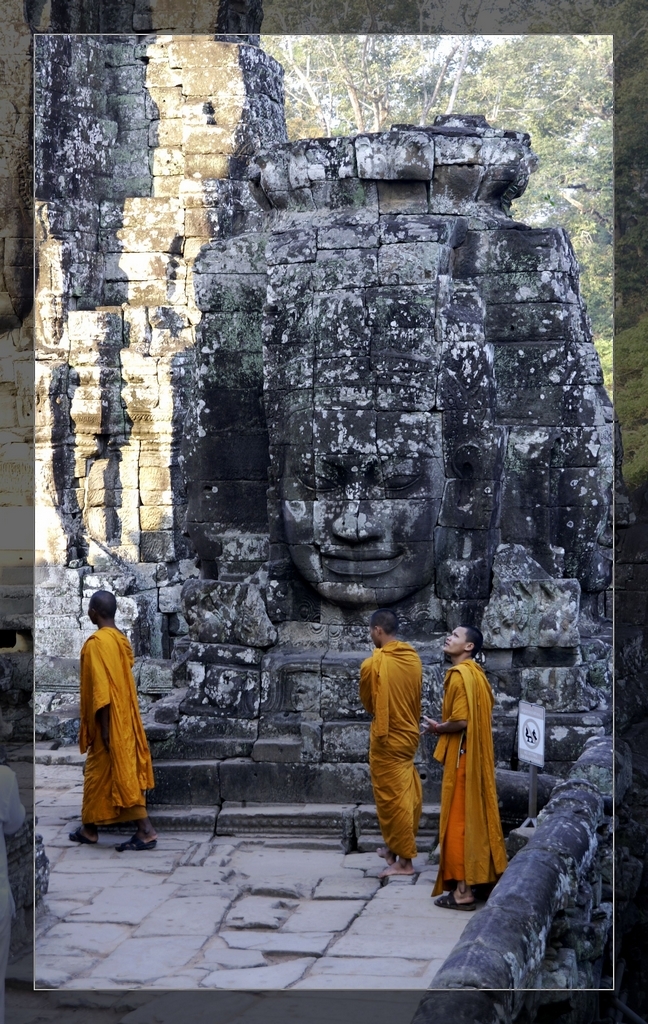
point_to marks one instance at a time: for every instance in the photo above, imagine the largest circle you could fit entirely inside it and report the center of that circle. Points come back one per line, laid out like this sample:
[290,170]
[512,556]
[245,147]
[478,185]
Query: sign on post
[531,747]
[531,733]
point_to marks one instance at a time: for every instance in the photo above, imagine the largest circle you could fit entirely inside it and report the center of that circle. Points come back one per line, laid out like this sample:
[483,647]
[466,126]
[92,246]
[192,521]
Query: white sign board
[531,733]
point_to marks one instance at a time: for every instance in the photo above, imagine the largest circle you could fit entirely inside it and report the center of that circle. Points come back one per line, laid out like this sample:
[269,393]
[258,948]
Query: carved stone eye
[401,481]
[327,483]
[327,479]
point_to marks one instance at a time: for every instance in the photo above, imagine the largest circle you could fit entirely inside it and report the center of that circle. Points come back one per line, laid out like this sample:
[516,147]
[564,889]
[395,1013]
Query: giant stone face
[428,388]
[360,502]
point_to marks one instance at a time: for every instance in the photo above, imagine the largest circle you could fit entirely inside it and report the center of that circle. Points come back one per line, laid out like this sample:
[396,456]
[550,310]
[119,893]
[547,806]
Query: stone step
[284,750]
[367,831]
[370,843]
[175,818]
[324,782]
[186,783]
[60,726]
[236,819]
[19,751]
[46,753]
[356,825]
[235,779]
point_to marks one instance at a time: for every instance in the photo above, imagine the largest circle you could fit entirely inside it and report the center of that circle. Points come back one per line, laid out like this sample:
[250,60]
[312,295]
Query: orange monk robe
[390,689]
[468,696]
[114,782]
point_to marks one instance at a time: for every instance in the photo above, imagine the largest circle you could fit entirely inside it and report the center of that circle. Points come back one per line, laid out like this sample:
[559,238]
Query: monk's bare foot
[399,867]
[465,896]
[395,869]
[386,854]
[146,835]
[145,830]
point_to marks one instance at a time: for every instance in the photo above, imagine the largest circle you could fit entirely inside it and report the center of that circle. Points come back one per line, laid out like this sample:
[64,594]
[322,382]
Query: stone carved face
[359,512]
[418,368]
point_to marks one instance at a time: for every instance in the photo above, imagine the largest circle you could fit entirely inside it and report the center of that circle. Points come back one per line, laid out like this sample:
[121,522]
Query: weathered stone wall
[142,153]
[15,60]
[547,925]
[201,17]
[631,713]
[16,377]
[20,21]
[207,331]
[417,381]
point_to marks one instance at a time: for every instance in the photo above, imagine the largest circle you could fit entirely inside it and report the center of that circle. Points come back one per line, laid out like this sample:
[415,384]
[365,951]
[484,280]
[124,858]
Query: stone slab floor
[203,912]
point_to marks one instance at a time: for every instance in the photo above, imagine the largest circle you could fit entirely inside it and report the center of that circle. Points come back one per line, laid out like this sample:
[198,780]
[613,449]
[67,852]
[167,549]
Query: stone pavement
[204,912]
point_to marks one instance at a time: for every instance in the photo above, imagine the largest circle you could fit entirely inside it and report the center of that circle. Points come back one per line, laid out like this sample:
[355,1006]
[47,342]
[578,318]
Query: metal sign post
[531,744]
[532,819]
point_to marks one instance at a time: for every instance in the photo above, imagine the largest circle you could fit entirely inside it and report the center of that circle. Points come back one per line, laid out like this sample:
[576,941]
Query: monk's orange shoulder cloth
[107,678]
[390,688]
[484,852]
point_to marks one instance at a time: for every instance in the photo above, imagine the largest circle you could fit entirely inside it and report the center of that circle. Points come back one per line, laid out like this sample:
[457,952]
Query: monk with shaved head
[471,842]
[118,767]
[390,689]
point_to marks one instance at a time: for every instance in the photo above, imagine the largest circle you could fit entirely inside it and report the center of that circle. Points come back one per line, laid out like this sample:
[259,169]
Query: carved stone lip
[362,565]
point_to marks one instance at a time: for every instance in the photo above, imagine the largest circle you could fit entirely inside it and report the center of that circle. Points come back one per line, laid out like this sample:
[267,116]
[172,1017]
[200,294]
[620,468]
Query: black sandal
[449,902]
[78,837]
[135,843]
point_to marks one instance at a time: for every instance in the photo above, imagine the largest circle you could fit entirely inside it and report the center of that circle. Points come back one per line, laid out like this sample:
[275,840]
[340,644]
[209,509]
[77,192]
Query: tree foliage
[558,88]
[630,28]
[342,85]
[631,388]
[631,163]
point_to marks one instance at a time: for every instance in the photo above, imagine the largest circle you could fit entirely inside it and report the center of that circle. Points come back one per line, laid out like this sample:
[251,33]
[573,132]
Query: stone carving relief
[347,378]
[416,419]
[423,361]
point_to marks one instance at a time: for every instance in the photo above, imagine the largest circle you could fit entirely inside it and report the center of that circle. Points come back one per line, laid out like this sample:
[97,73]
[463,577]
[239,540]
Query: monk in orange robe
[390,689]
[118,767]
[472,849]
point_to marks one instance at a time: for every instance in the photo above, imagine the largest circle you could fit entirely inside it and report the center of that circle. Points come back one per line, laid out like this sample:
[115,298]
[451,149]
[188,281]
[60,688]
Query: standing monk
[470,832]
[118,768]
[390,689]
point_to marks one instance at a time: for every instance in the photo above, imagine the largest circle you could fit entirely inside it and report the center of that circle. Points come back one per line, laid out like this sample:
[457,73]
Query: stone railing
[547,922]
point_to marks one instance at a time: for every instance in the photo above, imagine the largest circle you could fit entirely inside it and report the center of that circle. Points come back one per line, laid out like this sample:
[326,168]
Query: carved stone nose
[355,526]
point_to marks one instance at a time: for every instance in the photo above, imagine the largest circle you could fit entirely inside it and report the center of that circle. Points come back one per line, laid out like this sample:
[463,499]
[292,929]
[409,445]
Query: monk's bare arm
[365,686]
[453,723]
[438,728]
[103,721]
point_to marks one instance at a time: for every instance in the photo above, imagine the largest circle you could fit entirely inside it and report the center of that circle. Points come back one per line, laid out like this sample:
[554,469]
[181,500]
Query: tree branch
[460,70]
[304,79]
[428,106]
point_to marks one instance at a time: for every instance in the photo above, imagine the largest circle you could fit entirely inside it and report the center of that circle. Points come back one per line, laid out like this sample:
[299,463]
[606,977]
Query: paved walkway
[202,912]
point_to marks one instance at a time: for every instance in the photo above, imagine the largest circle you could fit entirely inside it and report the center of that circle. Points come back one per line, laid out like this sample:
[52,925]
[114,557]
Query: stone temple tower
[282,384]
[397,403]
